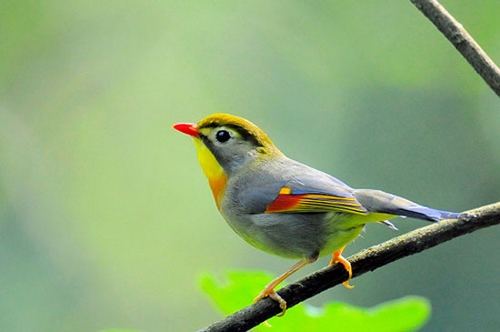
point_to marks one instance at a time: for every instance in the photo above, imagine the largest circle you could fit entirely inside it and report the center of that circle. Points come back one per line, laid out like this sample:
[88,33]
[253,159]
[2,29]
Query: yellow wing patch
[288,202]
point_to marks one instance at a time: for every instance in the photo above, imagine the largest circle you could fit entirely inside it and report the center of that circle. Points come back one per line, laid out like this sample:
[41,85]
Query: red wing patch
[287,202]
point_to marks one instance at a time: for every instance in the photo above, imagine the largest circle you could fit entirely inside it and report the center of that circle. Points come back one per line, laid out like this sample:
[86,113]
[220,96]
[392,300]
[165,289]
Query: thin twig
[462,40]
[367,260]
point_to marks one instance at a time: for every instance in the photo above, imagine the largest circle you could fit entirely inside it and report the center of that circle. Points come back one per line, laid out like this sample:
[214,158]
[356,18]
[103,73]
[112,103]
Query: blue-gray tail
[382,202]
[425,213]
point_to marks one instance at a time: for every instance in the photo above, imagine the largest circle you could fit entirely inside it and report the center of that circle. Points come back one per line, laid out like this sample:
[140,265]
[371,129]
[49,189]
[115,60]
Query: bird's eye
[222,136]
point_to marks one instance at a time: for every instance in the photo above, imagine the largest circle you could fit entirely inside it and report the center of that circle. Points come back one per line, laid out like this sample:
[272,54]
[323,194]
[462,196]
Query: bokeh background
[106,220]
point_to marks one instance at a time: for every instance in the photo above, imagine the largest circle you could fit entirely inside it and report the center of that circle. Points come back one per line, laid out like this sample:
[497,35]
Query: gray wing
[292,187]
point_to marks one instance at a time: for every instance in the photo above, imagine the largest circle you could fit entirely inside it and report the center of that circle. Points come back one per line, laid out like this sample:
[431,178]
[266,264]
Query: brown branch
[367,260]
[462,40]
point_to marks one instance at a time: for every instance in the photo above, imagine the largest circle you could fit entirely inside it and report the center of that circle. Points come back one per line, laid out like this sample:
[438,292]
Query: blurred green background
[106,220]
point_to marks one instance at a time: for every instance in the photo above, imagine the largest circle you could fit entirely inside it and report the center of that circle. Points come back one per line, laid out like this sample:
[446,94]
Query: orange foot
[273,295]
[269,289]
[338,258]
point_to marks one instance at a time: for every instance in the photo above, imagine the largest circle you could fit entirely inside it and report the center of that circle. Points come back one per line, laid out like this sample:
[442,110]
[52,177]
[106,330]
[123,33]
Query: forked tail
[382,202]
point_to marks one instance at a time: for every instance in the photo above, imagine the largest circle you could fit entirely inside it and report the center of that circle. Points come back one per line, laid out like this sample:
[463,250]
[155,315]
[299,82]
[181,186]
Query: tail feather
[382,202]
[422,212]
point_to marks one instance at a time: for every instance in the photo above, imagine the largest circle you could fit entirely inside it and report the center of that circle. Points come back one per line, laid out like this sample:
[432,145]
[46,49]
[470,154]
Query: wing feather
[289,201]
[287,186]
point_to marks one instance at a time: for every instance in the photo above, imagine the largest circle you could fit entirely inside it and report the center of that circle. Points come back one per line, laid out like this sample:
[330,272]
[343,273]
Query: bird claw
[275,296]
[338,258]
[346,284]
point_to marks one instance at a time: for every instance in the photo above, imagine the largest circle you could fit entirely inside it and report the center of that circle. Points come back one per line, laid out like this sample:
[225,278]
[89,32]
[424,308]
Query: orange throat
[218,184]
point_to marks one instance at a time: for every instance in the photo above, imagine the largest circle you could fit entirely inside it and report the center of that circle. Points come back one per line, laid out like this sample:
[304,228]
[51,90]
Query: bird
[285,207]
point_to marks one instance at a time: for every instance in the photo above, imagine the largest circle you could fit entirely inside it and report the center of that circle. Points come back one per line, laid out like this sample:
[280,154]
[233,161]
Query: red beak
[187,128]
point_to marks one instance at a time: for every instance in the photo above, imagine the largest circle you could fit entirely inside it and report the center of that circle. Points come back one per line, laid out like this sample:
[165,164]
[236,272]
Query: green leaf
[237,291]
[240,287]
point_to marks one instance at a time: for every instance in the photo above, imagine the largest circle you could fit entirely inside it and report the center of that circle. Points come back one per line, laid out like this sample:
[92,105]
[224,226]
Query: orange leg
[338,258]
[269,289]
